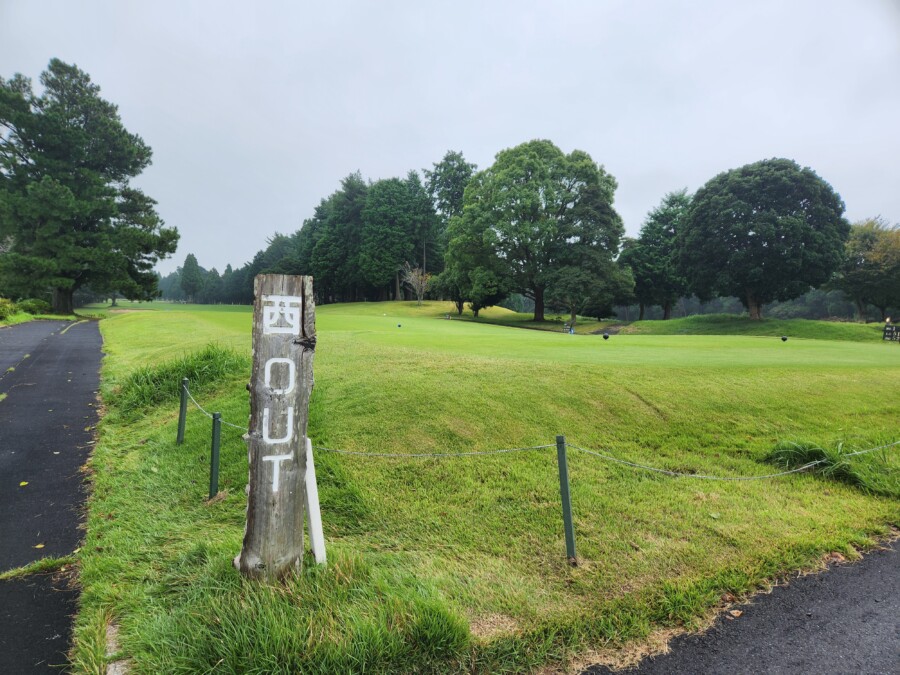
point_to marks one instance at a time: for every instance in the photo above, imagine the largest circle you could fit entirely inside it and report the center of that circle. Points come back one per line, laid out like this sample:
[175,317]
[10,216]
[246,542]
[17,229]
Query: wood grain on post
[284,342]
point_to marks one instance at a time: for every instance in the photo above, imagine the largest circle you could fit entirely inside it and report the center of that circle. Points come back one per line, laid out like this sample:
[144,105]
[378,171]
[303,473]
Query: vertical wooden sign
[284,342]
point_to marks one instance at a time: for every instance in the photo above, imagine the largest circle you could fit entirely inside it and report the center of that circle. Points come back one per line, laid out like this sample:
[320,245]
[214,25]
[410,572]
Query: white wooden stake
[313,513]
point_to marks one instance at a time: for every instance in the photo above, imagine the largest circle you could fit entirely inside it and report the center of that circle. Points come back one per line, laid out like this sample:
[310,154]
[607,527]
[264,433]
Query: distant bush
[7,308]
[151,385]
[34,306]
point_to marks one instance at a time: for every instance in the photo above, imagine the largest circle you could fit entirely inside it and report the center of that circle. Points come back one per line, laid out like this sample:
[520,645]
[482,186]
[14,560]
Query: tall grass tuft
[872,472]
[151,385]
[337,619]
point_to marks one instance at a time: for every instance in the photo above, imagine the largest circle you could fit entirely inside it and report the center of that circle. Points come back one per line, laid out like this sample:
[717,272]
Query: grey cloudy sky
[255,111]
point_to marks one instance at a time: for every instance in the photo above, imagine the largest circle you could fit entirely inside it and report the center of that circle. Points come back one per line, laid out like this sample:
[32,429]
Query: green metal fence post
[566,500]
[182,411]
[214,460]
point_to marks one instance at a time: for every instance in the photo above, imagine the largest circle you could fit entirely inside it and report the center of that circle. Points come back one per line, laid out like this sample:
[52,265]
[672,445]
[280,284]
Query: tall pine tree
[67,210]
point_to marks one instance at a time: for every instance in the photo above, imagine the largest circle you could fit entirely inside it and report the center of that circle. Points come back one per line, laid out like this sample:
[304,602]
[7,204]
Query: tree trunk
[640,311]
[460,306]
[397,280]
[754,307]
[62,301]
[667,311]
[284,342]
[574,318]
[861,310]
[538,304]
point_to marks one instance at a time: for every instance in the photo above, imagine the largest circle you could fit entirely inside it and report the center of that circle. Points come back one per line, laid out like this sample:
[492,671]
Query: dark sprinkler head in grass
[606,336]
[784,338]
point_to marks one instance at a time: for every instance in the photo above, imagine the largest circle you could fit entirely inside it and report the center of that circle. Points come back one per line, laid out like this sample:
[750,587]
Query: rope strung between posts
[866,452]
[678,474]
[200,408]
[432,454]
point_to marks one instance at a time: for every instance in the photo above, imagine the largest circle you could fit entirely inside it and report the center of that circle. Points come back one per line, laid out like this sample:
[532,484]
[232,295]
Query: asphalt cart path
[48,409]
[845,620]
[16,342]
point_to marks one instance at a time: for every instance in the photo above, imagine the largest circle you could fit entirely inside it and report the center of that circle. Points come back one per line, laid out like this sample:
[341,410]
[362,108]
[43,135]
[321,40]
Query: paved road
[49,372]
[845,620]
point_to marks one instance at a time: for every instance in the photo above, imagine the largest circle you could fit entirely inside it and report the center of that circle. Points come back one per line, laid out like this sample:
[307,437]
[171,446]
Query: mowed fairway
[459,563]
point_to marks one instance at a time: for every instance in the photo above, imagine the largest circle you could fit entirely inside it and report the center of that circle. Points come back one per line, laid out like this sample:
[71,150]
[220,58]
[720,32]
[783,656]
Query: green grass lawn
[458,564]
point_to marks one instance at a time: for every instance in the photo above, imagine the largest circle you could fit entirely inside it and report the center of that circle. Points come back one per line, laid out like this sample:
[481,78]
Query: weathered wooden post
[284,341]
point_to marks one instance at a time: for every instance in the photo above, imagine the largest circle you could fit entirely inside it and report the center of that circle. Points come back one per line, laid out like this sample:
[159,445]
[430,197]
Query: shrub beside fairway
[25,317]
[458,564]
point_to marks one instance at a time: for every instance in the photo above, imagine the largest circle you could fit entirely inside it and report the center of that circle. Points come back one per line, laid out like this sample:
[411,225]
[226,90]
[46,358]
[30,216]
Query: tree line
[356,243]
[538,229]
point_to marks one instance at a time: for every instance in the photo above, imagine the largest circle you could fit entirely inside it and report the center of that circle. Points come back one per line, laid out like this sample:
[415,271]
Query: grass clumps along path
[154,384]
[458,564]
[873,472]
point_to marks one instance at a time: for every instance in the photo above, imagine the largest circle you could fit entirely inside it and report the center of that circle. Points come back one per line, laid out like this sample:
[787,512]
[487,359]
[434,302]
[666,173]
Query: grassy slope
[729,324]
[708,324]
[421,549]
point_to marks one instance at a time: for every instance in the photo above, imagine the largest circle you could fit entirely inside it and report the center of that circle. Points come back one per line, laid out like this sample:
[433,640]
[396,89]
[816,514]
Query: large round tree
[766,231]
[540,211]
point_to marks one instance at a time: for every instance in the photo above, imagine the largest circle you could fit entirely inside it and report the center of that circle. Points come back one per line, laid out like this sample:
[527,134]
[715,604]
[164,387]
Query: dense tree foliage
[588,290]
[870,273]
[387,234]
[329,243]
[653,256]
[540,224]
[192,279]
[447,182]
[69,218]
[356,245]
[537,210]
[766,231]
[474,273]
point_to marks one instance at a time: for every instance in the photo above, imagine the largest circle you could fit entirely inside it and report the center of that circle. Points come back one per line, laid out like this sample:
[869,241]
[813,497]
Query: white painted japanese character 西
[281,314]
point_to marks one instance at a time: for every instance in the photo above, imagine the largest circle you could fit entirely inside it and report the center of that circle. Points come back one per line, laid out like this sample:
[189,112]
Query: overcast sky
[255,111]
